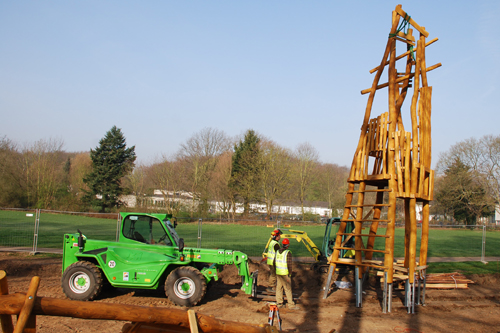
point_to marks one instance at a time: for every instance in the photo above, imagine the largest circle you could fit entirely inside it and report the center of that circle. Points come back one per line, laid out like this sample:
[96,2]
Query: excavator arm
[300,236]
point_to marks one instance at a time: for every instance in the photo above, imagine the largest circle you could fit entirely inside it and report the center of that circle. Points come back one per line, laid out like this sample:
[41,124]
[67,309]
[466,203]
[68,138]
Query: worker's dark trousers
[284,282]
[272,276]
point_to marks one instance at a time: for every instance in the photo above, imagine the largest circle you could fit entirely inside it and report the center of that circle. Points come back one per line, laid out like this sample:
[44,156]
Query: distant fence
[43,230]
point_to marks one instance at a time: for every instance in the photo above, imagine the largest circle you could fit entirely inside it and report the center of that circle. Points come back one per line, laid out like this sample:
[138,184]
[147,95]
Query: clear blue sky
[291,70]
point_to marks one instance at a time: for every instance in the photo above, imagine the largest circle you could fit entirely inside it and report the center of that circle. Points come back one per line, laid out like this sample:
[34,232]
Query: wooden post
[6,320]
[413,239]
[407,232]
[424,242]
[358,226]
[391,214]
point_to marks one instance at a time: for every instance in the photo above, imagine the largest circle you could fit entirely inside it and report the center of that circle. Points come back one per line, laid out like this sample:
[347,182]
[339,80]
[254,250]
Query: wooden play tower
[392,164]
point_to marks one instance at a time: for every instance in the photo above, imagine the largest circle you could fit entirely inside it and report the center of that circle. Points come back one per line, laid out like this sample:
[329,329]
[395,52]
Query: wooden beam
[404,40]
[400,79]
[12,305]
[373,70]
[420,29]
[406,36]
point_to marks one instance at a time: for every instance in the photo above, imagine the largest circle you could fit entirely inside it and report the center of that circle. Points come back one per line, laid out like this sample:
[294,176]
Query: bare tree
[11,194]
[201,152]
[136,183]
[276,172]
[307,159]
[76,167]
[43,162]
[333,185]
[221,192]
[167,176]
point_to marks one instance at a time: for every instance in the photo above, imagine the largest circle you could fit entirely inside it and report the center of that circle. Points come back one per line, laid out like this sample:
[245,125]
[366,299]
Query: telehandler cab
[148,253]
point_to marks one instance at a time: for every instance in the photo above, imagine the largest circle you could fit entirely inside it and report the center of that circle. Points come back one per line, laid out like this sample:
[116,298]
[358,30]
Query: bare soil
[476,309]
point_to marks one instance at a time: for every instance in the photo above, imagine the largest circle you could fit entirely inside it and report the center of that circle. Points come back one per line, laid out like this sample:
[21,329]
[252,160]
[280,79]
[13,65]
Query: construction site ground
[476,309]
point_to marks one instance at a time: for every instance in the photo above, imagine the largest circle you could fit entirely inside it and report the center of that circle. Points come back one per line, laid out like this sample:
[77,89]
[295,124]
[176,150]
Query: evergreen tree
[246,169]
[111,161]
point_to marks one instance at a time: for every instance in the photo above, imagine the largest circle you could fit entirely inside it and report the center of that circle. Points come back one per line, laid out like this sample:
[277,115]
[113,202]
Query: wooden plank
[381,190]
[353,263]
[359,249]
[6,320]
[431,186]
[407,151]
[384,176]
[446,286]
[363,235]
[366,220]
[385,144]
[193,325]
[398,154]
[398,276]
[368,205]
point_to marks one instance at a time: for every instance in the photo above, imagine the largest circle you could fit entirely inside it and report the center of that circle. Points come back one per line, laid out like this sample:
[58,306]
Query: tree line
[215,167]
[210,165]
[468,185]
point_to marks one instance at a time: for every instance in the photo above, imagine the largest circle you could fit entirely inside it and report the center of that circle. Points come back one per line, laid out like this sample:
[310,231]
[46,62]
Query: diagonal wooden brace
[24,316]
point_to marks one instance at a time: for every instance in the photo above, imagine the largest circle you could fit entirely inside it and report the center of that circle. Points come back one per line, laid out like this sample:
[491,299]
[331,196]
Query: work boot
[292,307]
[280,305]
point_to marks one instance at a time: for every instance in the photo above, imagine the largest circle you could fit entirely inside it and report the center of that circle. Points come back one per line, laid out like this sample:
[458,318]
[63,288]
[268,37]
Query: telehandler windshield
[146,229]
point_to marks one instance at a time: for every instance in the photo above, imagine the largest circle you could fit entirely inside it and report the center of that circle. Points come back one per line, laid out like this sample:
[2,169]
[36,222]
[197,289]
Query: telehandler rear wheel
[185,286]
[82,281]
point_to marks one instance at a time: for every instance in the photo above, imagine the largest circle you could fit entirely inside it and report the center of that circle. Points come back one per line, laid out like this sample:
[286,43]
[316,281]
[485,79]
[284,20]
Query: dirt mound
[30,266]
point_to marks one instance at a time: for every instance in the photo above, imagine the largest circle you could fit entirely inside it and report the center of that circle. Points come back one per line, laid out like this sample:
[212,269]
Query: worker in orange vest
[283,263]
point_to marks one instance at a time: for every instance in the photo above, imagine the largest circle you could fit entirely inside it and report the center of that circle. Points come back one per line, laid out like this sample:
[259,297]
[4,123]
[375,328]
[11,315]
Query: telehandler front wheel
[82,281]
[185,286]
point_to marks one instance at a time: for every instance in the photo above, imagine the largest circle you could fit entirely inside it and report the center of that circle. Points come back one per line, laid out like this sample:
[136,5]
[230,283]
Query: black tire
[82,281]
[185,286]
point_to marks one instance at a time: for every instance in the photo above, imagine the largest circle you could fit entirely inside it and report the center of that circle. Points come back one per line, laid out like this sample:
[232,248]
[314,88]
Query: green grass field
[16,229]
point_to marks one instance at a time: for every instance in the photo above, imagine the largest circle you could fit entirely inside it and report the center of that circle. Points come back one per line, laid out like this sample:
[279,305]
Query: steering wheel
[162,238]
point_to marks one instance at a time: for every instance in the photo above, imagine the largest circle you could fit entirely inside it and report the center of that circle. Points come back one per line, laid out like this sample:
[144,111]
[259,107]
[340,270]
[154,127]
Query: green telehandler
[148,253]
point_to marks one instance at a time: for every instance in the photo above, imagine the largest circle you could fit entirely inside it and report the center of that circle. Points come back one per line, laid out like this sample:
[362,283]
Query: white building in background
[317,208]
[186,199]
